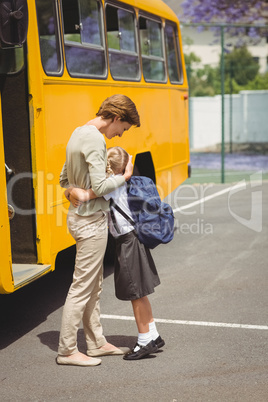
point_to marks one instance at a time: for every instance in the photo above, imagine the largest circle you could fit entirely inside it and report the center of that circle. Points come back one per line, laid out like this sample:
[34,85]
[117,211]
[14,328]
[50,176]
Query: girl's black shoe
[141,352]
[159,342]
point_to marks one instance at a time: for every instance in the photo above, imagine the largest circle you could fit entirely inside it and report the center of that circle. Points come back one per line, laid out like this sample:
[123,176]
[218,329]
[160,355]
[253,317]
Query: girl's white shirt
[119,195]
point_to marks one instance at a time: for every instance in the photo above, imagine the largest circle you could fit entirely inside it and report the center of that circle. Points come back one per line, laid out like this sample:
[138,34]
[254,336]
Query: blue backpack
[153,219]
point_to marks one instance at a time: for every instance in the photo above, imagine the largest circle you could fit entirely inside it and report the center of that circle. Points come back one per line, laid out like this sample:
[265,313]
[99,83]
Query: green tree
[240,65]
[191,58]
[241,73]
[260,82]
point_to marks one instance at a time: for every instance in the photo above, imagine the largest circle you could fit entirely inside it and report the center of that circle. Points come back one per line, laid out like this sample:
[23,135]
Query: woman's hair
[121,106]
[117,159]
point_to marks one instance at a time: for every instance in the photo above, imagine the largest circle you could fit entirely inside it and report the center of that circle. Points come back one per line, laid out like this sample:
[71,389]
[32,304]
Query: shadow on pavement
[51,340]
[29,306]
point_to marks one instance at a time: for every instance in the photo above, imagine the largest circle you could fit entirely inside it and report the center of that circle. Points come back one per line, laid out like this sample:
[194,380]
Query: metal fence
[229,119]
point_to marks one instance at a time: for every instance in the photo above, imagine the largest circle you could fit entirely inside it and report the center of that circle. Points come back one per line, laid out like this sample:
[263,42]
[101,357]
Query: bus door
[15,157]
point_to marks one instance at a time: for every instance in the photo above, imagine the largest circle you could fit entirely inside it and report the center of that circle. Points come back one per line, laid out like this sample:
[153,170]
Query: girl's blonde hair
[117,159]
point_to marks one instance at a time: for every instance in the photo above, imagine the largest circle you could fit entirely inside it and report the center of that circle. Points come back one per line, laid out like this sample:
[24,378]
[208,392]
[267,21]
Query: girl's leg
[144,319]
[143,313]
[143,316]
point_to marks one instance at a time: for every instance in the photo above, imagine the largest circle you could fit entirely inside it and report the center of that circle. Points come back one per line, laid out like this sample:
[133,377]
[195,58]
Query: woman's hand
[70,197]
[78,195]
[128,169]
[74,201]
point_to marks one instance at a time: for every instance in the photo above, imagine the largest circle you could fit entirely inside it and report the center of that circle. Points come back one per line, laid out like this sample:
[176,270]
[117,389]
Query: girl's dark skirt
[135,273]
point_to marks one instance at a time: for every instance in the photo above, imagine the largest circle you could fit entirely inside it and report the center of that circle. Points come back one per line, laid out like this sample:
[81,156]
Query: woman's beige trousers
[82,302]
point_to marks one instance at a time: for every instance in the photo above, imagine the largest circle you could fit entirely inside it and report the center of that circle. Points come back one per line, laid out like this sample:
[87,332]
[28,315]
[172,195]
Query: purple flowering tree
[229,11]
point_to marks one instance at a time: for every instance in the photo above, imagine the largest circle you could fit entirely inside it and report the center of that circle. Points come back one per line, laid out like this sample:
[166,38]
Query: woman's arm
[63,177]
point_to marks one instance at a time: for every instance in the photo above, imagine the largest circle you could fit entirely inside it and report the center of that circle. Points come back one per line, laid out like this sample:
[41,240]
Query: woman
[85,167]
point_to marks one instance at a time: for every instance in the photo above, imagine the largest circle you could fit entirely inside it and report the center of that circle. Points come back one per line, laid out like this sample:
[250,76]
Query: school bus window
[152,50]
[174,70]
[121,37]
[83,39]
[49,37]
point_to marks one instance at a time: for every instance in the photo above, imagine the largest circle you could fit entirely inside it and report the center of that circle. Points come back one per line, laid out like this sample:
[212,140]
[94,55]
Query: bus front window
[49,37]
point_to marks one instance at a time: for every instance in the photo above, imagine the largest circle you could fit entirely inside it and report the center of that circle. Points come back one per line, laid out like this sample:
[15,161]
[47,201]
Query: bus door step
[25,273]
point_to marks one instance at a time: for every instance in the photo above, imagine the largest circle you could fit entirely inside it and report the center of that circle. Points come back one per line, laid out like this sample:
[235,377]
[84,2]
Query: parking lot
[211,309]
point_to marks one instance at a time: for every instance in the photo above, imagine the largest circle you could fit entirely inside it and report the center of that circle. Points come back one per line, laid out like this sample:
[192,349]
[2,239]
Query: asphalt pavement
[211,309]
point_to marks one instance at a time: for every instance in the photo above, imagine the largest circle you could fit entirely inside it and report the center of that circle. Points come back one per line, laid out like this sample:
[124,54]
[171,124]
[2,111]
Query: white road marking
[181,322]
[209,197]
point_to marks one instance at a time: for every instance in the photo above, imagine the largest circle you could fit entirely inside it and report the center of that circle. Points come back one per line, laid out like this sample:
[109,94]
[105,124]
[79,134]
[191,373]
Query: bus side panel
[178,106]
[63,114]
[160,110]
[6,278]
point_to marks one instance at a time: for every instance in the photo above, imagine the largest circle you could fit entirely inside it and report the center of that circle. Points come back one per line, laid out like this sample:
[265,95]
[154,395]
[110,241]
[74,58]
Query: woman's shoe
[103,352]
[73,362]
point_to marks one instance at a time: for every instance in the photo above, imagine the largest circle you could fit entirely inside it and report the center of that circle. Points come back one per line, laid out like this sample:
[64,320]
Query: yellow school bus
[59,59]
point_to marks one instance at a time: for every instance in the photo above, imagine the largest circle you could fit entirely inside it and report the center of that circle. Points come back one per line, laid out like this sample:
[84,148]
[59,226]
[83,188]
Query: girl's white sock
[143,339]
[153,330]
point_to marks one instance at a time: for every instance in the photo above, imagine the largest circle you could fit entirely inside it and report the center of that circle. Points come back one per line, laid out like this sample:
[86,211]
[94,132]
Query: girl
[135,275]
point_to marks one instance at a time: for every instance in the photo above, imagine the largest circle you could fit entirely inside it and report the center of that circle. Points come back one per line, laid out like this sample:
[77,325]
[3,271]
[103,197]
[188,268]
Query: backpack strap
[113,204]
[114,221]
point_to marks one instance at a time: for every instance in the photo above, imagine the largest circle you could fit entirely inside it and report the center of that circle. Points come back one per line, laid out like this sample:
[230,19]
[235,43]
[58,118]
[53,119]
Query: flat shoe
[71,362]
[111,352]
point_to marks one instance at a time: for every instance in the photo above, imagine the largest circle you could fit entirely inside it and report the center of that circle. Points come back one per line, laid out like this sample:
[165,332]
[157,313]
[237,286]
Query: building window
[83,38]
[122,43]
[174,65]
[153,62]
[49,36]
[256,59]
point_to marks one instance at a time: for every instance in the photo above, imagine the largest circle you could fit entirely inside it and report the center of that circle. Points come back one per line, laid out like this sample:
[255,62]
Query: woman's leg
[91,316]
[88,271]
